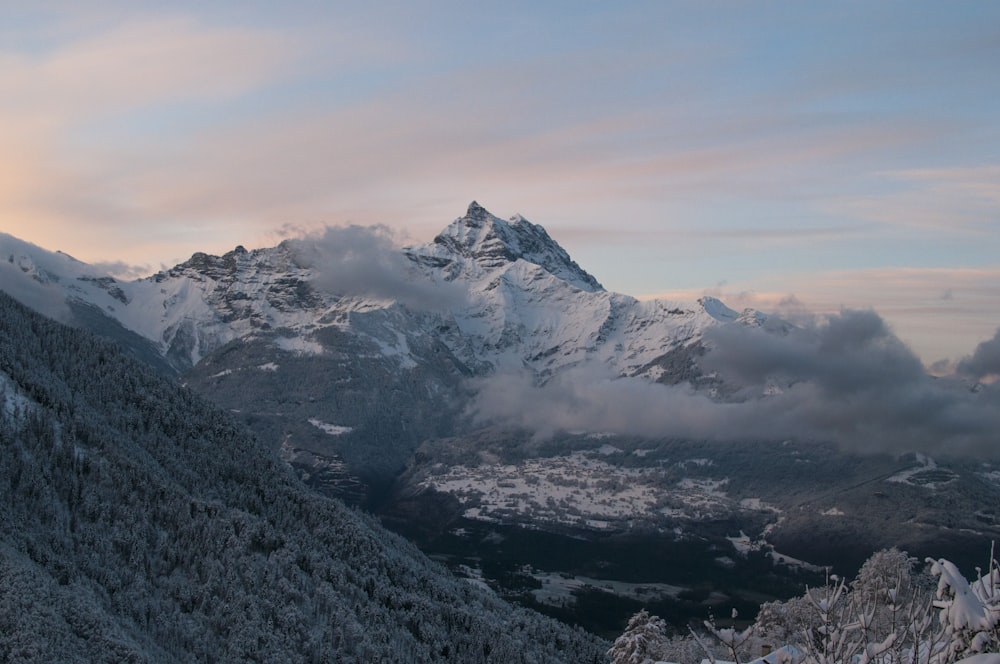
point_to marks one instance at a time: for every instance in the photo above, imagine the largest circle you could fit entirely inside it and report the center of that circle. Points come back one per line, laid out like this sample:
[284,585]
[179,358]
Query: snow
[833,511]
[717,310]
[399,349]
[527,304]
[268,366]
[581,490]
[744,545]
[520,313]
[981,658]
[573,490]
[299,345]
[965,609]
[926,474]
[11,398]
[758,505]
[704,493]
[331,429]
[992,476]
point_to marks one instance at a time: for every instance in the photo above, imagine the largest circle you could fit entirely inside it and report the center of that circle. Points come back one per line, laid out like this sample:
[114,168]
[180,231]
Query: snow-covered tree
[642,642]
[969,613]
[733,640]
[882,617]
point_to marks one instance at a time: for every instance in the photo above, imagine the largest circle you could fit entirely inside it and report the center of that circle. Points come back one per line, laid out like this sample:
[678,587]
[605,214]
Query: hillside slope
[138,523]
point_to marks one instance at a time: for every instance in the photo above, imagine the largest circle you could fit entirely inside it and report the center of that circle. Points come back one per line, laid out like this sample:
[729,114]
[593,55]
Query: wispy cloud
[956,199]
[78,121]
[368,262]
[141,63]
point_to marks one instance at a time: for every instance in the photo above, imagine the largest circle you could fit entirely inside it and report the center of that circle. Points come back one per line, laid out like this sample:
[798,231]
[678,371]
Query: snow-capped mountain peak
[505,294]
[492,243]
[717,310]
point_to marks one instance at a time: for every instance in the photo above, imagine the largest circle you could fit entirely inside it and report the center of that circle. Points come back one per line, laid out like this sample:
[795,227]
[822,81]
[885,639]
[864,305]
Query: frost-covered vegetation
[887,615]
[138,523]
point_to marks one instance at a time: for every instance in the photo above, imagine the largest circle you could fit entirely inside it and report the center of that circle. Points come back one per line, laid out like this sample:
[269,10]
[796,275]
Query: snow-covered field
[330,429]
[580,490]
[927,474]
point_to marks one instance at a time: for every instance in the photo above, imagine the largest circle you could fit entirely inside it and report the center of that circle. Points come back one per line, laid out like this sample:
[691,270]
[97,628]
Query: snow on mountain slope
[526,303]
[529,305]
[478,243]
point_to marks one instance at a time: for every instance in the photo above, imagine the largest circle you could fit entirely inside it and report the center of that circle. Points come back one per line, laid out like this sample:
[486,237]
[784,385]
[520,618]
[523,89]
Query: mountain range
[484,388]
[486,296]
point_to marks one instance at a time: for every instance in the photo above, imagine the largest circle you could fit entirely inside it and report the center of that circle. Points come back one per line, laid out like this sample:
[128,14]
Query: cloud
[43,298]
[366,261]
[88,109]
[938,312]
[140,63]
[984,361]
[847,380]
[850,352]
[121,269]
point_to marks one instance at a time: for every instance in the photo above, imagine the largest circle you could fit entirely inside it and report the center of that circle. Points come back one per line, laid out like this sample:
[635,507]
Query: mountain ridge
[522,292]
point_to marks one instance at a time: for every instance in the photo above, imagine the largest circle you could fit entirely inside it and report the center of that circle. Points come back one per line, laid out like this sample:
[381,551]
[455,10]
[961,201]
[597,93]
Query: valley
[593,528]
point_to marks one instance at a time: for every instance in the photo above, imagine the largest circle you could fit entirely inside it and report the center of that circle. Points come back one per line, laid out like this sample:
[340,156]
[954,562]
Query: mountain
[272,333]
[582,451]
[140,523]
[520,301]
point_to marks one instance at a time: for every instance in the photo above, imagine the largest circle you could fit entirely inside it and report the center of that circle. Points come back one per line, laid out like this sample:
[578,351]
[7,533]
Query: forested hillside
[138,523]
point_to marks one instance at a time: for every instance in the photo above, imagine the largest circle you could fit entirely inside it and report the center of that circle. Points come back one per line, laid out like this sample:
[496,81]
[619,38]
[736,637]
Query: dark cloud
[846,354]
[847,380]
[366,261]
[984,361]
[851,380]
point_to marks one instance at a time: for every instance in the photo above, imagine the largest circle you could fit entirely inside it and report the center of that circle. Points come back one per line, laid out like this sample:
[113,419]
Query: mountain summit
[492,243]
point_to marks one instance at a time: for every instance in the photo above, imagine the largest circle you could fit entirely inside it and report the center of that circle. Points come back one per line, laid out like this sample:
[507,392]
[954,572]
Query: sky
[780,155]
